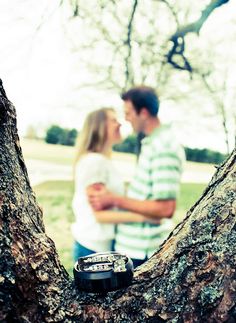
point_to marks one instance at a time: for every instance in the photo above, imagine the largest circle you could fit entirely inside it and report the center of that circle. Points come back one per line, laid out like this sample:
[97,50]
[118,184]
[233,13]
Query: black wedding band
[103,272]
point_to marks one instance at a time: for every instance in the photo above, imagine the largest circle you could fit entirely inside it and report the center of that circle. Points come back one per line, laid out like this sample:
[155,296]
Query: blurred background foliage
[58,135]
[61,59]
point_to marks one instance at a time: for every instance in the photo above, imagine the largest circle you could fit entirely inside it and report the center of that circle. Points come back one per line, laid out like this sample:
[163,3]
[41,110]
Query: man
[155,186]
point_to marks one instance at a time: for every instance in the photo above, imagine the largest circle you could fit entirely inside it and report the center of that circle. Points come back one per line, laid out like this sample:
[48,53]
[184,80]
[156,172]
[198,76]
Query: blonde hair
[93,136]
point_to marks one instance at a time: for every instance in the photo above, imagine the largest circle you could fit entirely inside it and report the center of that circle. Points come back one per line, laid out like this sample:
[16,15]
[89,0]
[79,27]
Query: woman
[93,231]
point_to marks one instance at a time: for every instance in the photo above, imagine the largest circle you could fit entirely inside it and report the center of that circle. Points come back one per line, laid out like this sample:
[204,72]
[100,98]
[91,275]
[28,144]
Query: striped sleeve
[166,169]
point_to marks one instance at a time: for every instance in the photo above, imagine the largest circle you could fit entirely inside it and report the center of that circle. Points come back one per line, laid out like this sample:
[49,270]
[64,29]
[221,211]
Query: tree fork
[191,278]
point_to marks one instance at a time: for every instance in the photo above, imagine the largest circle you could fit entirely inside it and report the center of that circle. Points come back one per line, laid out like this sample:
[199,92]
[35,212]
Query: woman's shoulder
[92,159]
[91,168]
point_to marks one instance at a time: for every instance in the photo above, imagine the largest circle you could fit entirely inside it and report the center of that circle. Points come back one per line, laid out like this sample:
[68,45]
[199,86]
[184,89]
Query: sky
[37,67]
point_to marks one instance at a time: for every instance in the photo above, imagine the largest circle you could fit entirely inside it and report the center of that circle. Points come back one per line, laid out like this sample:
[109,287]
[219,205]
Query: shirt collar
[154,134]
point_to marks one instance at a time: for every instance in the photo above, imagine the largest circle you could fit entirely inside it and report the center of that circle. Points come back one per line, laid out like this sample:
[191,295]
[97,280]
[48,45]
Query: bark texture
[191,278]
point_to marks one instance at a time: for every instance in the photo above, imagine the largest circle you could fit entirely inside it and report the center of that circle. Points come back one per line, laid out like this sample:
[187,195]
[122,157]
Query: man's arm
[96,192]
[157,209]
[110,216]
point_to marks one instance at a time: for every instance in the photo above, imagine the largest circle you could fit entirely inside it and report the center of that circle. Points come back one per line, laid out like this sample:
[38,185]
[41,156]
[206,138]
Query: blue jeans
[138,262]
[80,251]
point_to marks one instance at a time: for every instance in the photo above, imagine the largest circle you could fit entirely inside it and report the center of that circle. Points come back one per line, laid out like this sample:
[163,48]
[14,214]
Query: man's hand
[99,197]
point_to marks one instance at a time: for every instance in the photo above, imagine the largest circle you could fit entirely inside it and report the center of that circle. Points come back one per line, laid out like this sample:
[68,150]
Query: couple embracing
[105,219]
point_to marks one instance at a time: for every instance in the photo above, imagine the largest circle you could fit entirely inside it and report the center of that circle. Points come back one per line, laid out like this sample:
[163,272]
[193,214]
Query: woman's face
[113,128]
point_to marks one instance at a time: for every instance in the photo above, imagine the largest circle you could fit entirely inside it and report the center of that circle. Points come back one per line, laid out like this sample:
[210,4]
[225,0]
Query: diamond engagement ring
[103,272]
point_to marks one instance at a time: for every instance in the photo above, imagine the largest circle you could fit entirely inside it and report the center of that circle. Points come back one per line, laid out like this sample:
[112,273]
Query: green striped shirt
[157,177]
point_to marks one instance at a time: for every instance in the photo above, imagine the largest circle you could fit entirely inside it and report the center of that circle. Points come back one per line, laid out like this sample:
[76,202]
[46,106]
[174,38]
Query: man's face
[133,117]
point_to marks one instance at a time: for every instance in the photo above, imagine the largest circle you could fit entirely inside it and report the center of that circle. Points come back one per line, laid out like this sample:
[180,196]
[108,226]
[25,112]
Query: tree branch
[178,41]
[173,12]
[128,69]
[219,102]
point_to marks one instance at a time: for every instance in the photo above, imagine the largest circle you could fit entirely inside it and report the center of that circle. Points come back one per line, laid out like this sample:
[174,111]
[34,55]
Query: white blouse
[93,168]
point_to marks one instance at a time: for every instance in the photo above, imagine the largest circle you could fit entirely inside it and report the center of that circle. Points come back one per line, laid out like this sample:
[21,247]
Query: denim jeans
[138,262]
[80,251]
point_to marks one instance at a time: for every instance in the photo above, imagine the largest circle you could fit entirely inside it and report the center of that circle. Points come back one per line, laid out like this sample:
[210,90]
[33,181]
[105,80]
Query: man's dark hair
[142,97]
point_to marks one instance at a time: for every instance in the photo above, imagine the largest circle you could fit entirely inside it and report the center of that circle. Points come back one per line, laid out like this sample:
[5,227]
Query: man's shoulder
[164,145]
[165,140]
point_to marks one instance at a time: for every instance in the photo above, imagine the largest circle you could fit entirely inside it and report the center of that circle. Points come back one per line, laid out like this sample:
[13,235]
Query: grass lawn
[64,155]
[55,198]
[39,150]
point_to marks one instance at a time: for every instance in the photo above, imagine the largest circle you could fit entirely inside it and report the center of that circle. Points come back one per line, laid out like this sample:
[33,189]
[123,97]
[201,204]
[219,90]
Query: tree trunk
[191,278]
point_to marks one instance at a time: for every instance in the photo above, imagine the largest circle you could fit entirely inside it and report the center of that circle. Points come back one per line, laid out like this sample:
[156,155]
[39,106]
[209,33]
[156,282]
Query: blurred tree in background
[58,135]
[204,155]
[164,44]
[71,49]
[128,145]
[131,144]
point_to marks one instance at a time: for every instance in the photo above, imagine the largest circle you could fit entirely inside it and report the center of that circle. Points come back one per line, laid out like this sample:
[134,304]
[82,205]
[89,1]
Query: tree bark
[191,278]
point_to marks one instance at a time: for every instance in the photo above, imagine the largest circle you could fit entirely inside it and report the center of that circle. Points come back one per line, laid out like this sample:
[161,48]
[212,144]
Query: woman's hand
[99,197]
